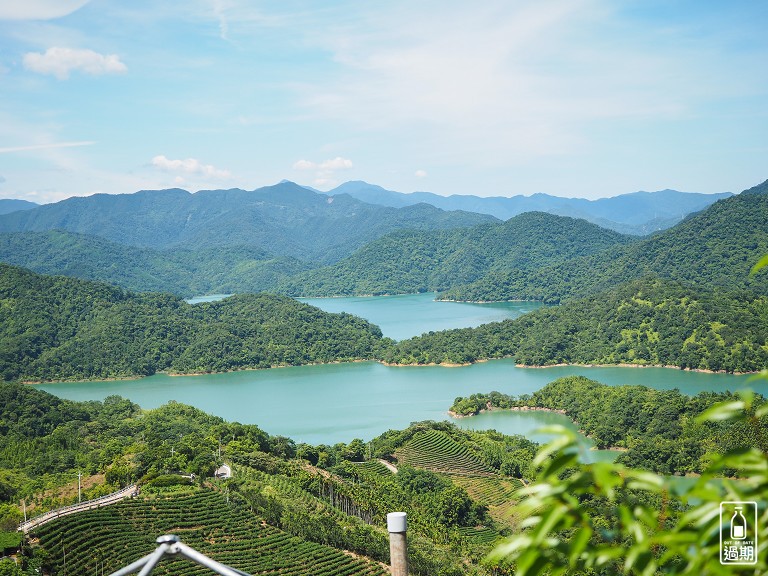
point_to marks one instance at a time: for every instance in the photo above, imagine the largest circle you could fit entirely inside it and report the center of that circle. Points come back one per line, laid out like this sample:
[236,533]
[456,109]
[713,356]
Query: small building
[223,471]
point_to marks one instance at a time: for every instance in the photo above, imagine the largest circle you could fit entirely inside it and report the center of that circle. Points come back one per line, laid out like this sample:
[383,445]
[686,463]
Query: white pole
[398,544]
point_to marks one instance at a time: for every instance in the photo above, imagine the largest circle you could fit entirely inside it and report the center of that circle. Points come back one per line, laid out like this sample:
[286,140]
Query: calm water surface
[401,317]
[338,402]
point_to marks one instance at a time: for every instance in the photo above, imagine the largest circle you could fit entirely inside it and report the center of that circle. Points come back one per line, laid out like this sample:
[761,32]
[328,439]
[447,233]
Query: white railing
[88,505]
[171,545]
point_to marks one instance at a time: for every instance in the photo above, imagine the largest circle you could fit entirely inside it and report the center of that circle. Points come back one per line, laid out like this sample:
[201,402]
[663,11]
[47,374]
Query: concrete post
[398,545]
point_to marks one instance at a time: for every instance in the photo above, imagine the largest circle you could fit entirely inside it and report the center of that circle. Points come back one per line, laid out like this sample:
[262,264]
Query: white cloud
[38,9]
[189,166]
[500,82]
[324,171]
[420,174]
[337,163]
[45,146]
[61,61]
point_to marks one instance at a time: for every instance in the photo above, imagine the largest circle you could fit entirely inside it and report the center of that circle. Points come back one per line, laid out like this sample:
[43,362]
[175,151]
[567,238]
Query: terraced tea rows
[116,536]
[436,451]
[481,534]
[498,494]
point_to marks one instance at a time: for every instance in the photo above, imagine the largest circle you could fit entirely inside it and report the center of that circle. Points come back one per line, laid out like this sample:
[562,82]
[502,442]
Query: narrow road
[113,498]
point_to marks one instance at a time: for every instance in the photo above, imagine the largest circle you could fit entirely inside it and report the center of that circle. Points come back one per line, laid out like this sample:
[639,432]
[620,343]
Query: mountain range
[637,213]
[715,248]
[285,220]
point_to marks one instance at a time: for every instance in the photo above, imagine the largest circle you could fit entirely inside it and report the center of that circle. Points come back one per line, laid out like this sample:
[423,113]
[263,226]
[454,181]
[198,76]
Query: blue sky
[577,98]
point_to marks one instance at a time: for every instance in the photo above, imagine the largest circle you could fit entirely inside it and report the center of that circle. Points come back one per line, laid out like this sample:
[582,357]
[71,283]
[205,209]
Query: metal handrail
[171,545]
[112,498]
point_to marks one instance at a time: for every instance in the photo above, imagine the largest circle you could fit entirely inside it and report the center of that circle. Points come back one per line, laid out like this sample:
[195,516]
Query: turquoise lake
[338,402]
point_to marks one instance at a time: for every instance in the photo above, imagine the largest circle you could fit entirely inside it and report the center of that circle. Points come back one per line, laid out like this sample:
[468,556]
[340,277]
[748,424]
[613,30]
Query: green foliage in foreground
[606,518]
[645,322]
[657,430]
[56,328]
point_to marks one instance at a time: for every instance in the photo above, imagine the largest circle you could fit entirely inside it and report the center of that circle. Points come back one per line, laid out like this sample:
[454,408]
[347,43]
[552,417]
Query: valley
[305,396]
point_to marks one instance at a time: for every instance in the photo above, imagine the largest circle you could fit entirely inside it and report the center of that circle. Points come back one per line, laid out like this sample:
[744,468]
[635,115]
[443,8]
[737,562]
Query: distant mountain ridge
[715,248]
[10,205]
[285,219]
[638,213]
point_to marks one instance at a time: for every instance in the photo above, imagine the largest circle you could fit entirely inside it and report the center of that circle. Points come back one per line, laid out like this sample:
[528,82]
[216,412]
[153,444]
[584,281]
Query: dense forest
[645,322]
[412,261]
[57,328]
[712,249]
[655,429]
[184,272]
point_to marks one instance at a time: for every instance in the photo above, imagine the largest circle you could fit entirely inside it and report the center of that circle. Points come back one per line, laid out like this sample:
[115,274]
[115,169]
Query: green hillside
[715,248]
[55,328]
[289,509]
[115,536]
[221,270]
[654,429]
[420,261]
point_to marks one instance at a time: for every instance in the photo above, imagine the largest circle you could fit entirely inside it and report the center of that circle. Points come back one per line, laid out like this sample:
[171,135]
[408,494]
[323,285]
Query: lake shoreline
[628,365]
[457,416]
[383,363]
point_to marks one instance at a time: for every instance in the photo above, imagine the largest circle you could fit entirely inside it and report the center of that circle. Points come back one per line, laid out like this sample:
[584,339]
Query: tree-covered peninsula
[656,430]
[648,322]
[57,328]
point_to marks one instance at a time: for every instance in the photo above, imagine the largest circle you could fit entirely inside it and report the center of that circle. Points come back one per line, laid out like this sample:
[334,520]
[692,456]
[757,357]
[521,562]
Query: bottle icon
[738,525]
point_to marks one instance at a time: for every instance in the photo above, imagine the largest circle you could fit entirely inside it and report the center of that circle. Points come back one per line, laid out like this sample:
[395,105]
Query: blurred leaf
[722,411]
[762,263]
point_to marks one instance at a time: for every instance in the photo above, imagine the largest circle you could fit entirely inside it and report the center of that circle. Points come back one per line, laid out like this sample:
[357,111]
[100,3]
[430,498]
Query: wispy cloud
[337,163]
[506,80]
[189,166]
[324,171]
[48,146]
[39,9]
[61,61]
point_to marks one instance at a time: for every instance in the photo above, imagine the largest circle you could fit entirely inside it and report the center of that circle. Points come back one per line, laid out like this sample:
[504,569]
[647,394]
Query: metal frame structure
[171,545]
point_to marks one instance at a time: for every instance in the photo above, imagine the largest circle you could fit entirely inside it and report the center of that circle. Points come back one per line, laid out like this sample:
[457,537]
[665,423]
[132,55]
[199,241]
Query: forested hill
[214,270]
[648,322]
[715,248]
[54,328]
[420,261]
[285,219]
